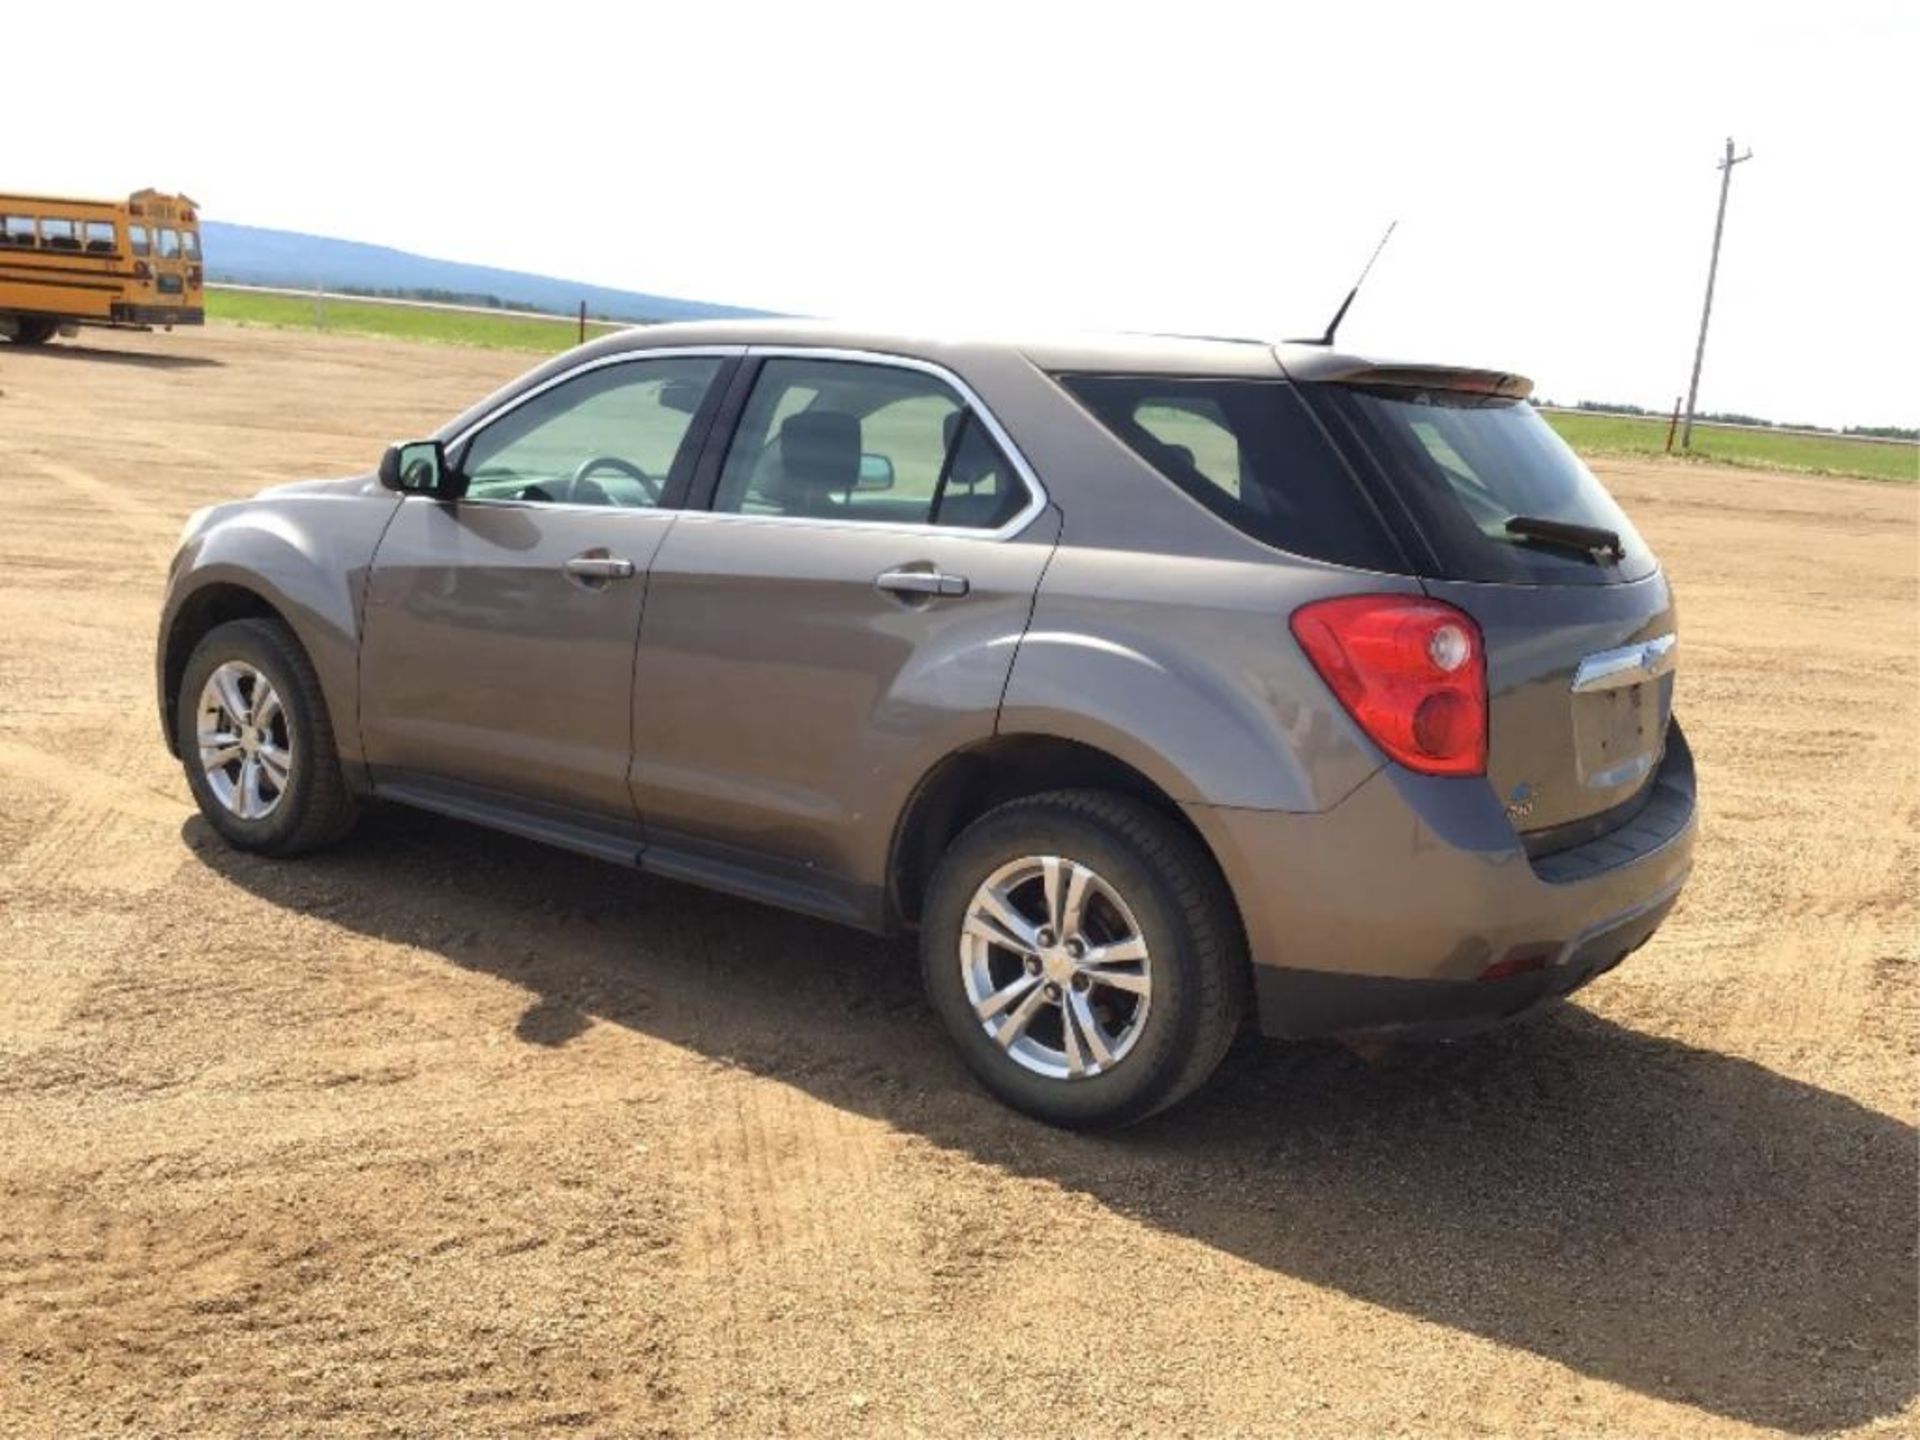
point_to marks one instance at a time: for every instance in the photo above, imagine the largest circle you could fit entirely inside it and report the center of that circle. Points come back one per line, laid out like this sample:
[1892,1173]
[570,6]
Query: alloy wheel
[1056,967]
[246,748]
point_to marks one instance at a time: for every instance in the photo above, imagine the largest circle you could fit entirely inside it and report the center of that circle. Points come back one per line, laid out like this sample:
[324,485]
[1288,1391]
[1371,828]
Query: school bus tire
[33,330]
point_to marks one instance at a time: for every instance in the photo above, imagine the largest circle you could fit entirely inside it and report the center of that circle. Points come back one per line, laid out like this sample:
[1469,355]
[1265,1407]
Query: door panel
[486,660]
[500,627]
[786,704]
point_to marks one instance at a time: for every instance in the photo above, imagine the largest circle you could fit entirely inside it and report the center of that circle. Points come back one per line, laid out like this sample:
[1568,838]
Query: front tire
[257,743]
[1085,955]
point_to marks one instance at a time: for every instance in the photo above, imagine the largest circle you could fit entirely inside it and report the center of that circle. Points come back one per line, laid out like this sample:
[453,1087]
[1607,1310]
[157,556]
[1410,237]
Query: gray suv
[1158,683]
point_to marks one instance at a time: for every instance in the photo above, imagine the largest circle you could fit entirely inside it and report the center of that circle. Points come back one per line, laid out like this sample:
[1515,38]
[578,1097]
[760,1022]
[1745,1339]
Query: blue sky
[1217,168]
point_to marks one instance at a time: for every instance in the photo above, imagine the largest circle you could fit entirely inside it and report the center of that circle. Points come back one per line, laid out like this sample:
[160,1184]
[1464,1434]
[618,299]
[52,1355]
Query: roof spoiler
[1347,370]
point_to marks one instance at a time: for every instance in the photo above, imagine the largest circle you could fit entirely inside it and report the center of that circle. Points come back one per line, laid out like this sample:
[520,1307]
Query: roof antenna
[1341,313]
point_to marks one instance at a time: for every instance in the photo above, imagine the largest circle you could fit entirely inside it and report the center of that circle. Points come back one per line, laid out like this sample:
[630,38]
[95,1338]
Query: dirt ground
[441,1133]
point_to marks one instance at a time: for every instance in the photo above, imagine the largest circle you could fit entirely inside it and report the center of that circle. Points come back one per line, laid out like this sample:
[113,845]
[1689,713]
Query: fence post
[1673,424]
[583,322]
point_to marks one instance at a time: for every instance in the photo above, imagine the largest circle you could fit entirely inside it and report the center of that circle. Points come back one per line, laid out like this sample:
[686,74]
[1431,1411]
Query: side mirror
[417,467]
[876,473]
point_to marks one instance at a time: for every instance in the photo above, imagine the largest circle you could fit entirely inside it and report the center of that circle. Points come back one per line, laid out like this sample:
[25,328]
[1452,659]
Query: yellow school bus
[132,263]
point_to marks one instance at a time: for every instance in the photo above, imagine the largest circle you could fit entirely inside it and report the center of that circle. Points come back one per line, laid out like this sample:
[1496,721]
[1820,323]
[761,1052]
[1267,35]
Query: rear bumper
[159,315]
[1381,914]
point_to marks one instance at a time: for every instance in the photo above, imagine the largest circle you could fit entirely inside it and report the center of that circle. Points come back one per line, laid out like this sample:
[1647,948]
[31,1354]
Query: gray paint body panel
[305,549]
[786,707]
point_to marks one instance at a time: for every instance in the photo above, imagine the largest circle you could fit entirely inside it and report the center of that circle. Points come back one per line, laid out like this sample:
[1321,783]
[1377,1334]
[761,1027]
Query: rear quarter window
[1252,453]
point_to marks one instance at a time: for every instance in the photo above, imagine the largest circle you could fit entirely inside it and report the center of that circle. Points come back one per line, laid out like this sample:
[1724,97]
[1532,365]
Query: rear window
[1251,453]
[1463,465]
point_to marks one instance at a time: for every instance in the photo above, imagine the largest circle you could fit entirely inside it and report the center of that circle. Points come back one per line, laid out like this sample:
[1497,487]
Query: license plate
[1618,732]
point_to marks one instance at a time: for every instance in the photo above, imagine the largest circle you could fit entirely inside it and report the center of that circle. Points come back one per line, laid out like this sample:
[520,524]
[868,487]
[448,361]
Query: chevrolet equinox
[1158,683]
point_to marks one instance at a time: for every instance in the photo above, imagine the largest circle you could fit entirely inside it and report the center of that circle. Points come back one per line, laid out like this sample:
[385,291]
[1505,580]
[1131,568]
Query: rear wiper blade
[1588,539]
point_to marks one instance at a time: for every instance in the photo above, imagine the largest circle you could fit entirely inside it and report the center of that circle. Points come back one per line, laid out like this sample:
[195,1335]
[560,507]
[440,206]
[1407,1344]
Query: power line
[1713,269]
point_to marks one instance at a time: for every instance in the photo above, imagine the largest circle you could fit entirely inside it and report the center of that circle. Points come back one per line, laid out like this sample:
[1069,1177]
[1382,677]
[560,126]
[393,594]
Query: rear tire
[257,743]
[31,330]
[1045,1022]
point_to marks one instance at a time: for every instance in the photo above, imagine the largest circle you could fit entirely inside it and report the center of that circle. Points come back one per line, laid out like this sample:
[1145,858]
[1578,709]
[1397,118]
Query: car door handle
[921,582]
[599,567]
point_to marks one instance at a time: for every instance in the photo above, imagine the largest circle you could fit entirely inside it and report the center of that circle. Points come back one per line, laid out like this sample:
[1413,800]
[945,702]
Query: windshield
[1465,464]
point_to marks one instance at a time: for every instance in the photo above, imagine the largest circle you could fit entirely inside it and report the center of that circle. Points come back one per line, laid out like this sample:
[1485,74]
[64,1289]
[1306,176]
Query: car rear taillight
[1412,672]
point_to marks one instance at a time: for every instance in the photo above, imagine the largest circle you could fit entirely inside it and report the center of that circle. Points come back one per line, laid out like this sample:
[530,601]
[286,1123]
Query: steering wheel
[578,479]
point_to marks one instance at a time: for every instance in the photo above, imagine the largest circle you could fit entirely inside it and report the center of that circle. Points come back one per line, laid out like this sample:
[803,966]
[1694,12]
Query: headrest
[820,450]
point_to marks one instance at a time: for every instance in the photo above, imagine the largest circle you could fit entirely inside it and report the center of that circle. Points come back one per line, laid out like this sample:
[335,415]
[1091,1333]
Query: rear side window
[1249,451]
[865,443]
[1464,464]
[58,234]
[16,230]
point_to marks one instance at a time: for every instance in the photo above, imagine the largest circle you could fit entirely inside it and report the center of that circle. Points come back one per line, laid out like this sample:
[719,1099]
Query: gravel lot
[443,1133]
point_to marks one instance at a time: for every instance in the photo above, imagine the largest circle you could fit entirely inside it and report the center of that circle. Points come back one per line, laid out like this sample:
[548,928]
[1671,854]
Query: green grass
[398,322]
[1817,454]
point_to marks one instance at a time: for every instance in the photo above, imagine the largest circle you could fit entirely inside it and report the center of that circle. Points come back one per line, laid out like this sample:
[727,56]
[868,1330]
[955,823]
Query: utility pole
[1713,269]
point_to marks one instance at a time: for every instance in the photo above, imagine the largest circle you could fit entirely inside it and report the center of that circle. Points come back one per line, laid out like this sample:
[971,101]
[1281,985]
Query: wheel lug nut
[1053,991]
[1033,965]
[1077,947]
[1045,937]
[1081,983]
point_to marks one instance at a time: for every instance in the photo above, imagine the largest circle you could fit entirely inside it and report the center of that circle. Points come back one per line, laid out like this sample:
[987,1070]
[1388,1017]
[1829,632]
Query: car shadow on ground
[93,355]
[1691,1225]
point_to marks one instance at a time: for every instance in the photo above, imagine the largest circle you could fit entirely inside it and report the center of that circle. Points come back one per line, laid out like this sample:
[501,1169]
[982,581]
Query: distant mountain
[251,255]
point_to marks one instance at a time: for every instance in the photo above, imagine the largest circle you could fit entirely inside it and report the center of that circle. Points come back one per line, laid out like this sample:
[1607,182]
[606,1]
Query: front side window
[169,244]
[100,237]
[58,234]
[609,436]
[190,244]
[16,230]
[856,441]
[137,240]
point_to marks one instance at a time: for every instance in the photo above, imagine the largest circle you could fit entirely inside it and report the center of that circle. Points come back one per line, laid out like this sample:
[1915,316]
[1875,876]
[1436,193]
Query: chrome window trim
[1028,513]
[1037,499]
[619,357]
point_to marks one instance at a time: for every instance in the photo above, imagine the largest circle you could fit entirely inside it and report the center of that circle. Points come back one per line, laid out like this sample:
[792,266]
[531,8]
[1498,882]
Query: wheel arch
[195,616]
[966,784]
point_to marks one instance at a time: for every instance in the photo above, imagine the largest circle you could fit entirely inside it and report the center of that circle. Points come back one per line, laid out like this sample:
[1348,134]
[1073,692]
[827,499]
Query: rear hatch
[1577,617]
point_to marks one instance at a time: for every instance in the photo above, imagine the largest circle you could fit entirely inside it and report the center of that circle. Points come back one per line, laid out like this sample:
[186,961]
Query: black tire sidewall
[256,644]
[1139,1083]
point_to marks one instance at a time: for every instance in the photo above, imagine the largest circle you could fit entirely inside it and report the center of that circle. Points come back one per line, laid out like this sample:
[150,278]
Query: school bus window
[16,230]
[190,243]
[137,240]
[100,237]
[58,234]
[169,244]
